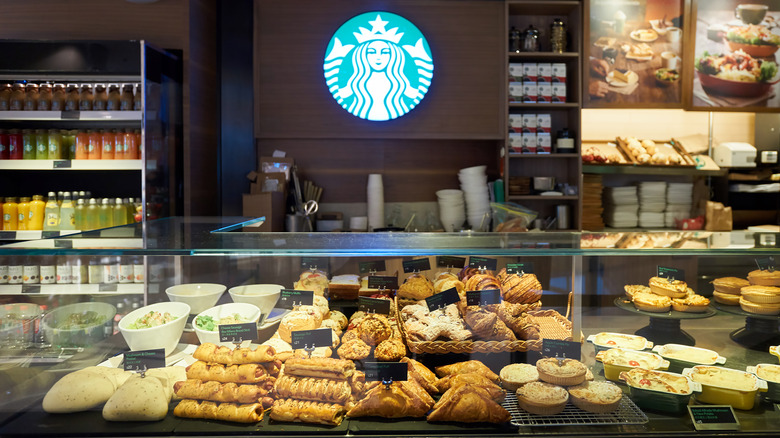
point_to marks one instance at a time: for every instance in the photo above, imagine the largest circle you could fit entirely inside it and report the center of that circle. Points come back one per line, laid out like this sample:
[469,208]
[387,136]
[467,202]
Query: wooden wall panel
[465,100]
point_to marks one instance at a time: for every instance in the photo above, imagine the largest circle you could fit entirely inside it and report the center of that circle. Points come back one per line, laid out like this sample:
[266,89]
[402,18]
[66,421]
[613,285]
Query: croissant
[486,325]
[237,413]
[469,366]
[209,352]
[219,392]
[517,320]
[396,400]
[523,289]
[422,375]
[494,391]
[314,389]
[468,404]
[324,367]
[482,282]
[244,373]
[300,411]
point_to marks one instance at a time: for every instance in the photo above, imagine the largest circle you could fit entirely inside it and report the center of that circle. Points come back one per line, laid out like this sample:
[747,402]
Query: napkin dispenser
[735,154]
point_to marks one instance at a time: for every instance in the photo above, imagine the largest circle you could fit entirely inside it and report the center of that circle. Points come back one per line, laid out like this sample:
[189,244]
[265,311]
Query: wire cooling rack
[626,413]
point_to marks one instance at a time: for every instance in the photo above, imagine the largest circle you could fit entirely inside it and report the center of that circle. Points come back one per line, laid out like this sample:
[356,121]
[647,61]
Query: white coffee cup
[671,60]
[673,34]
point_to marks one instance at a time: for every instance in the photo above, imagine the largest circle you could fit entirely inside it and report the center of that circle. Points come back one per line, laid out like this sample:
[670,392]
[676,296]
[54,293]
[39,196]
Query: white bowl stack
[452,209]
[652,203]
[473,182]
[621,207]
[679,202]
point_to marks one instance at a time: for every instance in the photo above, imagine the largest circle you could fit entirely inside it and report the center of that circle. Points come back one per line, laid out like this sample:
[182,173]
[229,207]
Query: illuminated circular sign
[378,66]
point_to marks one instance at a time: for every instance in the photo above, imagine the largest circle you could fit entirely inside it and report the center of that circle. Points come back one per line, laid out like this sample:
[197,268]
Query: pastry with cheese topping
[563,372]
[596,397]
[542,398]
[668,287]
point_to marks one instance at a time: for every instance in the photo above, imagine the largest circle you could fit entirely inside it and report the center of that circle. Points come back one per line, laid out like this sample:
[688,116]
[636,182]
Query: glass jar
[5,97]
[72,101]
[112,103]
[138,99]
[531,39]
[31,97]
[558,36]
[41,144]
[16,102]
[28,144]
[44,98]
[514,40]
[101,98]
[126,100]
[58,96]
[86,98]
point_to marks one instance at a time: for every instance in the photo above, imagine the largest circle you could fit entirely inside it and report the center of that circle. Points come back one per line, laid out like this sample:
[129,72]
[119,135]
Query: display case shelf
[649,170]
[71,289]
[71,164]
[553,155]
[539,106]
[547,56]
[87,116]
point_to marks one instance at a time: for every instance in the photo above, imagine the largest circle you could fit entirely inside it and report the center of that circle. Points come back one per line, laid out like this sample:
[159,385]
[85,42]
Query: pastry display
[764,277]
[521,289]
[469,366]
[465,403]
[596,397]
[563,372]
[664,294]
[416,287]
[423,325]
[542,398]
[516,375]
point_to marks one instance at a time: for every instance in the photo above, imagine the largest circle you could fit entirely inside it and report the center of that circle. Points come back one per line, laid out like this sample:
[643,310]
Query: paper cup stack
[375,193]
[473,182]
[452,209]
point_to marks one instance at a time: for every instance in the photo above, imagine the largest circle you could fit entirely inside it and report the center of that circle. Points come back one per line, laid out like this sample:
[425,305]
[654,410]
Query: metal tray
[626,413]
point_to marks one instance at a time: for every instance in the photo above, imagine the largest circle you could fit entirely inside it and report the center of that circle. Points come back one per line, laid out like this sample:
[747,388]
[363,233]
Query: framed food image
[633,53]
[734,62]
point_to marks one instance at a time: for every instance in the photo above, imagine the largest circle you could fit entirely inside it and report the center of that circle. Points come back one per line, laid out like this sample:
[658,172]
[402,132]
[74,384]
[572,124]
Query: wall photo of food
[634,53]
[735,55]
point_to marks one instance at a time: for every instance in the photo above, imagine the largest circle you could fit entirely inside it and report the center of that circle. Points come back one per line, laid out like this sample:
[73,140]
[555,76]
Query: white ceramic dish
[605,340]
[264,296]
[248,313]
[199,296]
[164,336]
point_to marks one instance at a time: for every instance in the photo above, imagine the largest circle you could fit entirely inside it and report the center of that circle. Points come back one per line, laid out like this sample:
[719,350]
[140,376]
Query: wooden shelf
[546,106]
[543,55]
[541,7]
[542,198]
[71,165]
[553,155]
[649,170]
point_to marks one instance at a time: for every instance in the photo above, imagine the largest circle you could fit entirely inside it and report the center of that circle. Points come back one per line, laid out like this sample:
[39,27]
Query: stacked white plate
[621,205]
[452,209]
[473,182]
[679,199]
[652,198]
[651,219]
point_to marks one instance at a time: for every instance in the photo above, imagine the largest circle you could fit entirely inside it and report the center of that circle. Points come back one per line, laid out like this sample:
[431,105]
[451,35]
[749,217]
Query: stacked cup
[375,193]
[473,182]
[452,209]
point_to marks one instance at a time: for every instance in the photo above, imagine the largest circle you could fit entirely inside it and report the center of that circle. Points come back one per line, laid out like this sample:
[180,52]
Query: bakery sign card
[372,266]
[290,298]
[374,305]
[321,263]
[561,349]
[418,265]
[144,359]
[237,333]
[483,297]
[442,299]
[310,339]
[450,262]
[713,417]
[766,263]
[520,268]
[483,263]
[671,273]
[382,282]
[386,371]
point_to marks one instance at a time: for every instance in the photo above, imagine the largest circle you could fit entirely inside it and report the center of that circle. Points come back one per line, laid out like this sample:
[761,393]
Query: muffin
[596,397]
[542,398]
[354,350]
[390,350]
[517,374]
[563,372]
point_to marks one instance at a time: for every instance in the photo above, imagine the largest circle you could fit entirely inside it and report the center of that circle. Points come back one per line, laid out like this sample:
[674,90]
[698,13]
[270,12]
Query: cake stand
[760,331]
[664,327]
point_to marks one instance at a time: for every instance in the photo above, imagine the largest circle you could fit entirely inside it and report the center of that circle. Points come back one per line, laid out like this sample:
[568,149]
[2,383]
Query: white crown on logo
[378,32]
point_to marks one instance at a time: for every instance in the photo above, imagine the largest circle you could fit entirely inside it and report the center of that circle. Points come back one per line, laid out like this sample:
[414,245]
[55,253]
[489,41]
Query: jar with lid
[126,100]
[112,103]
[16,102]
[558,36]
[101,98]
[5,97]
[31,97]
[28,144]
[514,40]
[86,98]
[138,99]
[72,100]
[58,96]
[44,97]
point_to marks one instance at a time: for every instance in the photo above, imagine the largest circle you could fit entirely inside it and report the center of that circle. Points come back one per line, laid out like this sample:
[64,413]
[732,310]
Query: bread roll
[84,389]
[139,399]
[305,318]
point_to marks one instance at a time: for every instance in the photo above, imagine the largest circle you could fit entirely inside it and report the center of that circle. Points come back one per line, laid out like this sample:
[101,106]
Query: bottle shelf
[72,289]
[547,56]
[552,155]
[71,164]
[34,234]
[90,116]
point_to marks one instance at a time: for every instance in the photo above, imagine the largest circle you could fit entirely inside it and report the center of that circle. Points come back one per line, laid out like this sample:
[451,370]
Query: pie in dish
[723,378]
[630,358]
[668,287]
[612,340]
[726,298]
[685,353]
[690,303]
[516,375]
[596,397]
[542,398]
[563,372]
[650,302]
[656,381]
[729,285]
[764,278]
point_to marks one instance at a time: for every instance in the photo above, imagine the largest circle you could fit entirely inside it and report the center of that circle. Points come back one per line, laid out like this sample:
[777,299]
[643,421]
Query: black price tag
[671,273]
[483,263]
[561,349]
[312,338]
[382,282]
[520,268]
[60,243]
[144,359]
[321,263]
[290,298]
[374,305]
[386,371]
[450,262]
[237,332]
[442,299]
[61,164]
[766,263]
[713,417]
[108,287]
[31,289]
[375,266]
[417,265]
[483,297]
[70,115]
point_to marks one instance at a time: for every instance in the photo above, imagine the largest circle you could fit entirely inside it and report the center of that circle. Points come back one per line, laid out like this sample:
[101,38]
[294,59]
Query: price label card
[520,268]
[382,282]
[59,243]
[766,263]
[483,297]
[321,263]
[442,299]
[108,287]
[671,273]
[144,359]
[31,289]
[374,266]
[237,332]
[417,265]
[374,305]
[558,348]
[384,371]
[450,262]
[61,164]
[713,417]
[290,298]
[483,263]
[312,338]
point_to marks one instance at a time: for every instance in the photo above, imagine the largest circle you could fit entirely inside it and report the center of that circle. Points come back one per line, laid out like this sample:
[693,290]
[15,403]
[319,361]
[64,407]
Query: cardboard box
[529,92]
[516,123]
[530,72]
[515,72]
[516,92]
[558,93]
[543,143]
[268,204]
[515,142]
[529,143]
[543,123]
[558,72]
[543,92]
[529,123]
[544,72]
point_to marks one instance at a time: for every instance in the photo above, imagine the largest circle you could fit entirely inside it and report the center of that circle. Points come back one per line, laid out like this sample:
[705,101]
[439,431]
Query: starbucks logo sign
[378,66]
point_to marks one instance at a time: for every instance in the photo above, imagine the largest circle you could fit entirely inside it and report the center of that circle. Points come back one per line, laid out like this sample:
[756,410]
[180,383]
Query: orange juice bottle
[107,140]
[93,150]
[131,145]
[10,214]
[24,213]
[139,143]
[120,145]
[82,146]
[36,214]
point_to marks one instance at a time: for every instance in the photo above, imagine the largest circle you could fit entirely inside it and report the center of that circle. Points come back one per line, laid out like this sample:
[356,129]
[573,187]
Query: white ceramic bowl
[248,312]
[263,296]
[200,296]
[164,336]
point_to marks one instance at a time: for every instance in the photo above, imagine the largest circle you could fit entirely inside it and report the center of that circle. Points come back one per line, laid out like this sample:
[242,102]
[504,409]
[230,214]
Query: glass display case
[581,309]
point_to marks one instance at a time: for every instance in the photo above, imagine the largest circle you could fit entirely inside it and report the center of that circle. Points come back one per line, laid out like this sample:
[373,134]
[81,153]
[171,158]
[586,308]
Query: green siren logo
[372,73]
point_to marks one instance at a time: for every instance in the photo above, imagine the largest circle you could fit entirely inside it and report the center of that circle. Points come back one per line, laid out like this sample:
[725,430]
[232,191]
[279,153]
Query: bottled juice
[67,213]
[129,210]
[82,146]
[69,138]
[60,198]
[3,145]
[118,213]
[24,213]
[107,139]
[131,145]
[79,213]
[52,213]
[37,213]
[91,216]
[55,144]
[10,215]
[138,143]
[93,151]
[120,145]
[28,144]
[105,217]
[41,144]
[15,144]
